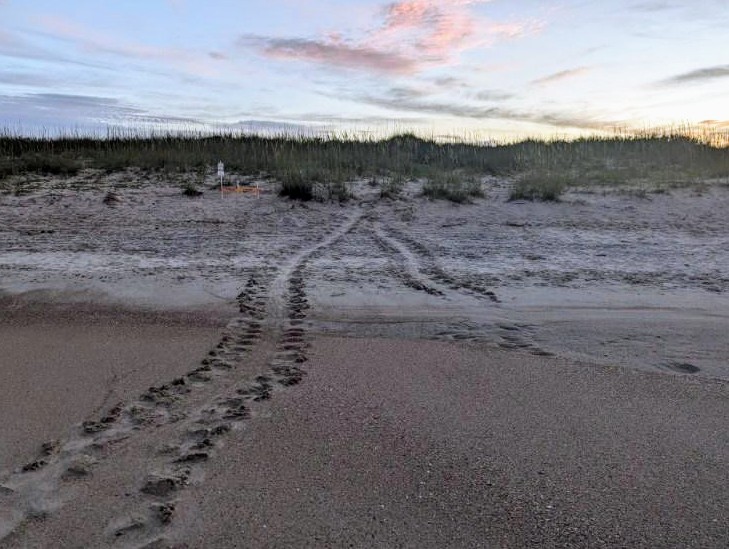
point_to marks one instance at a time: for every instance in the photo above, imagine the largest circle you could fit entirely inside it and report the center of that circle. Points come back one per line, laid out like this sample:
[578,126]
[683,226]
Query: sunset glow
[500,69]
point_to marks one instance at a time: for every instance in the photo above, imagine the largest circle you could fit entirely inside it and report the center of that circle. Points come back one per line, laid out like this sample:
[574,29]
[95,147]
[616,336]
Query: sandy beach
[64,362]
[401,444]
[248,372]
[430,444]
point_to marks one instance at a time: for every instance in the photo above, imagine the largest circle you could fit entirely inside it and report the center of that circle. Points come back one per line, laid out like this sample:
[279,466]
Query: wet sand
[392,443]
[63,362]
[423,444]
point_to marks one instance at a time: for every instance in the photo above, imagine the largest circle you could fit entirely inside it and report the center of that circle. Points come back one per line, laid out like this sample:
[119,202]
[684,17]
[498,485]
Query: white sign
[221,169]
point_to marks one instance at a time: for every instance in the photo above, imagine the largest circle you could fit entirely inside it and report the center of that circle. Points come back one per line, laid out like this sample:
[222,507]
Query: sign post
[221,174]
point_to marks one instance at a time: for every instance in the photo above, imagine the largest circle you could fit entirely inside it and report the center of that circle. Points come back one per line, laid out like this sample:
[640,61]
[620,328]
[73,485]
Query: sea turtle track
[284,313]
[410,271]
[34,489]
[191,413]
[422,272]
[427,263]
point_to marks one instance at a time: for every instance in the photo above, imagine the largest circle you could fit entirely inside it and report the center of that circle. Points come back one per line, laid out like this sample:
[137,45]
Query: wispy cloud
[366,120]
[698,75]
[332,54]
[89,41]
[468,90]
[410,36]
[406,93]
[561,75]
[316,123]
[450,82]
[492,95]
[63,109]
[15,78]
[69,110]
[654,6]
[695,10]
[461,110]
[14,46]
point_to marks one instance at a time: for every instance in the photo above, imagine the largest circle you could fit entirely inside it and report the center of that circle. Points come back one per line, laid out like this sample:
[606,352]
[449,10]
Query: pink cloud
[408,14]
[425,26]
[412,36]
[336,54]
[441,29]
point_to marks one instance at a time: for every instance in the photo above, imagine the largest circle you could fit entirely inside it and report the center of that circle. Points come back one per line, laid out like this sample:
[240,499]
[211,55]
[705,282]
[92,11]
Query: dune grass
[452,186]
[391,187]
[545,186]
[320,167]
[190,189]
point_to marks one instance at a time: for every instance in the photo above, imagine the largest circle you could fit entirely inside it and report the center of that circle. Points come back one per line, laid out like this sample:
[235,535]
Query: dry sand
[513,374]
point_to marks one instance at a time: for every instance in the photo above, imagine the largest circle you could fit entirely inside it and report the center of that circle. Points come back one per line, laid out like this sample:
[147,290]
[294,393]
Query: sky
[498,69]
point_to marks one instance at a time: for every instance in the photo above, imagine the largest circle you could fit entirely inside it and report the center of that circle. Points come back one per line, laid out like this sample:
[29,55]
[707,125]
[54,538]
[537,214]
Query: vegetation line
[319,167]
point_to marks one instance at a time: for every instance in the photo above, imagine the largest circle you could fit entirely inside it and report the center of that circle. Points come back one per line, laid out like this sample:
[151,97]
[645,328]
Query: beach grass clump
[542,186]
[680,156]
[38,163]
[452,186]
[337,191]
[191,190]
[392,187]
[295,185]
[51,165]
[314,183]
[473,188]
